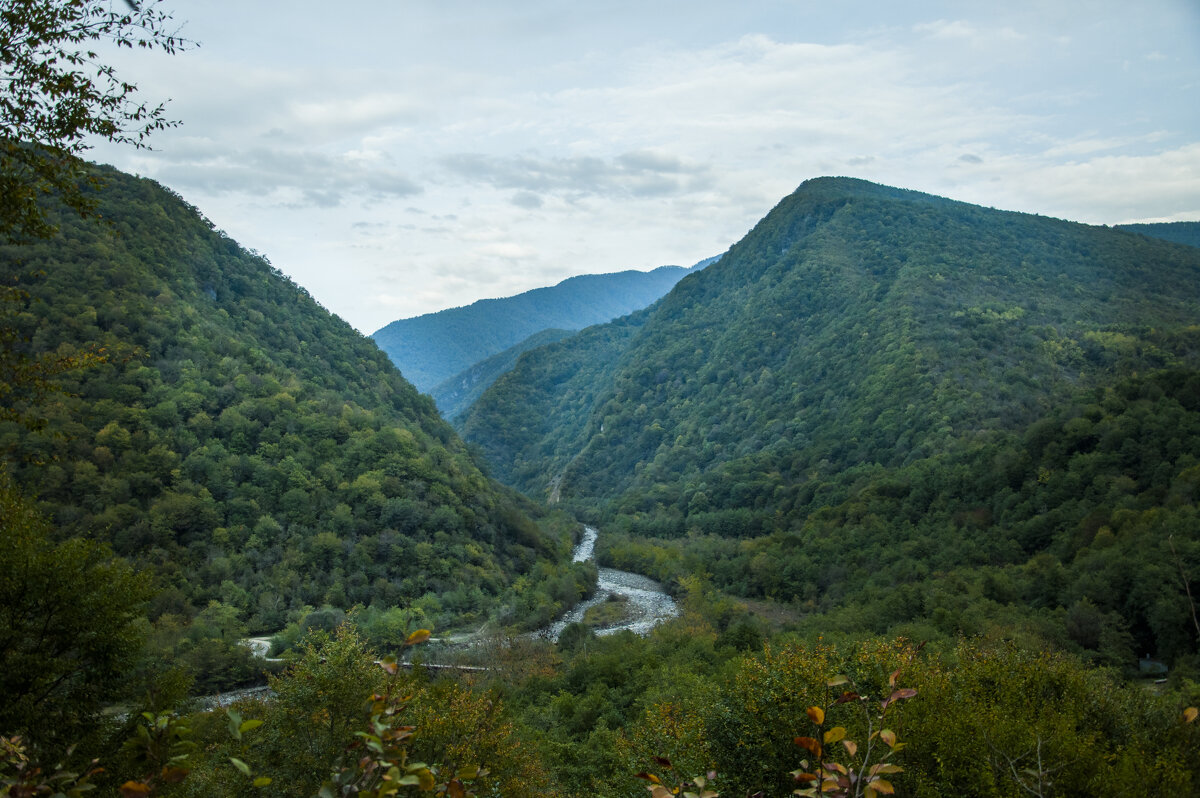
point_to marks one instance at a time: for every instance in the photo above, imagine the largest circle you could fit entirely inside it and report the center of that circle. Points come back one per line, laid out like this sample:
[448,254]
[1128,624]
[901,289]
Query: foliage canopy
[57,91]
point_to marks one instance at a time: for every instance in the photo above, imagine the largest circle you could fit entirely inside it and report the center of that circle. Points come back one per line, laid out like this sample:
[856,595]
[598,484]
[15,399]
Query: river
[647,604]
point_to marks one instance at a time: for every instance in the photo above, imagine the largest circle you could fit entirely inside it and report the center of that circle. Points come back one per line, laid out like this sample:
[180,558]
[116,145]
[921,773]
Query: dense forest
[881,394]
[455,394]
[921,476]
[1179,232]
[254,453]
[433,348]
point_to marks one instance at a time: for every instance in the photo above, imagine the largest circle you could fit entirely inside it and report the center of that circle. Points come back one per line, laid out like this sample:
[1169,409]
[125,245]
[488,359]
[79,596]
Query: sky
[403,156]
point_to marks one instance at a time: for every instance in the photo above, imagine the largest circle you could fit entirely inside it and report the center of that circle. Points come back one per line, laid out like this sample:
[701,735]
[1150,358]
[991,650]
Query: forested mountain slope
[1179,232]
[877,387]
[239,440]
[454,395]
[434,347]
[855,324]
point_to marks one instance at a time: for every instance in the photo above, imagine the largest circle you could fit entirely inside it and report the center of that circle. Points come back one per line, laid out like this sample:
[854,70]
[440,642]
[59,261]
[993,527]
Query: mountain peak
[856,323]
[836,187]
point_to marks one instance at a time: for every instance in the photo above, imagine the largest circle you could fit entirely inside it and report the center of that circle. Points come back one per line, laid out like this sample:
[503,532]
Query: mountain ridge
[455,394]
[434,347]
[914,265]
[898,414]
[237,439]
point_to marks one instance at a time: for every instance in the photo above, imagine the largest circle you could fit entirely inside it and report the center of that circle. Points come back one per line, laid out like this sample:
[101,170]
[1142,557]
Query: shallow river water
[645,602]
[648,605]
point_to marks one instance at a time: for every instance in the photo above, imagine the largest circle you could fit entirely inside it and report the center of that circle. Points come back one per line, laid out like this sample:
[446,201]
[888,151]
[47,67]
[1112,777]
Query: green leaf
[240,765]
[249,725]
[262,781]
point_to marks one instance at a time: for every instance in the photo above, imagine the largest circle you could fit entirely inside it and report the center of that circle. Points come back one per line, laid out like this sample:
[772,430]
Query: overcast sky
[402,156]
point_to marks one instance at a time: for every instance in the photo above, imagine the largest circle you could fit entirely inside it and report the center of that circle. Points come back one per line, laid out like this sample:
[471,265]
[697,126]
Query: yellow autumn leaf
[816,715]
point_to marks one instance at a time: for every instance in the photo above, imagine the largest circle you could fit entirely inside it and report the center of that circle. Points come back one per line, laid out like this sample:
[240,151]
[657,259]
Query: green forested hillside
[456,394]
[877,387]
[548,398]
[170,394]
[237,439]
[436,346]
[1179,232]
[858,324]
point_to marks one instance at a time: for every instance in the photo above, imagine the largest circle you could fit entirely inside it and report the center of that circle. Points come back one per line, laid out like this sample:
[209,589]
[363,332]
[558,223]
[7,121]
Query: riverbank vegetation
[984,717]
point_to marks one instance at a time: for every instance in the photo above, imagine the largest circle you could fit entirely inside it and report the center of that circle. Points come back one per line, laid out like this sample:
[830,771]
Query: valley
[938,451]
[898,494]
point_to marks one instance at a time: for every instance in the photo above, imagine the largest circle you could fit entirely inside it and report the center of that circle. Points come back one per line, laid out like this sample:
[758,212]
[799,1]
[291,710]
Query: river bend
[647,604]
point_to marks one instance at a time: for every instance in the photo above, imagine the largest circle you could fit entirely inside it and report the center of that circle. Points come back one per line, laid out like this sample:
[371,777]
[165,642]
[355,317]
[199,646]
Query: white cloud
[1122,187]
[436,156]
[508,250]
[946,29]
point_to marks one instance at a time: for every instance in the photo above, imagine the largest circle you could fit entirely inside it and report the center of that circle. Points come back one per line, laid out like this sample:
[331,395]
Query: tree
[69,630]
[56,92]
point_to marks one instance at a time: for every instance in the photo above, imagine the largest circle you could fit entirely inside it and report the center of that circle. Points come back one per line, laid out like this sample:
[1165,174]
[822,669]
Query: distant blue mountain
[434,347]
